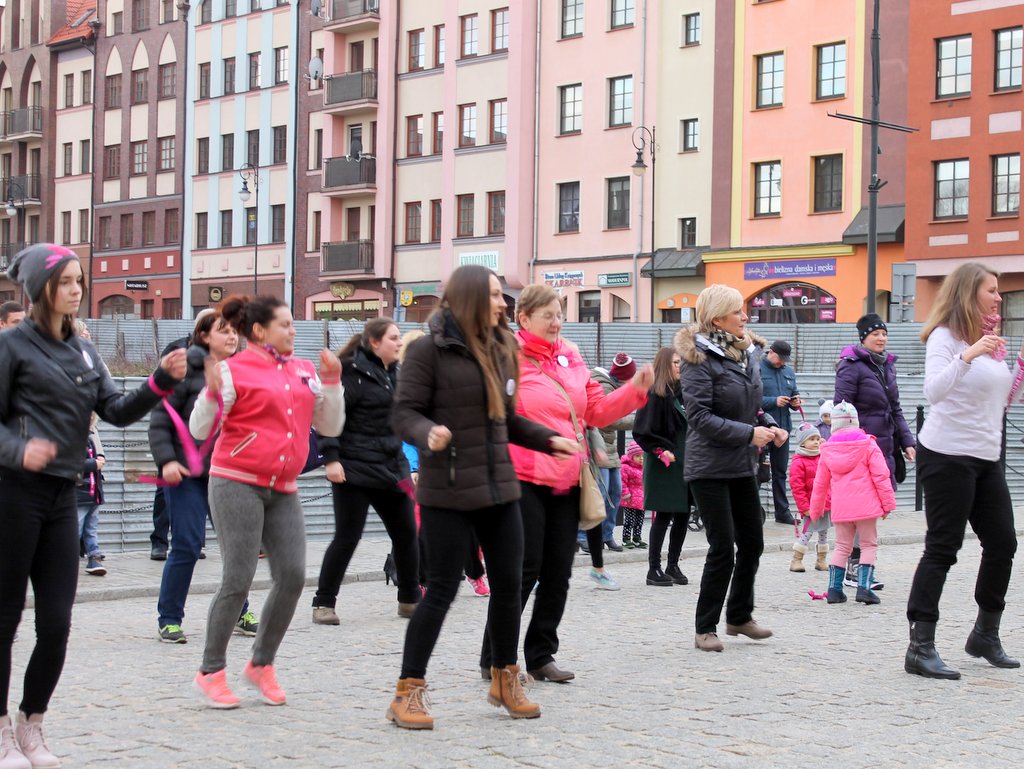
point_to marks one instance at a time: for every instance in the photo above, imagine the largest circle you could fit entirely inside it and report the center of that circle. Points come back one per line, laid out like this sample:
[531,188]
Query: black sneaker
[659,578]
[677,576]
[172,634]
[247,624]
[158,553]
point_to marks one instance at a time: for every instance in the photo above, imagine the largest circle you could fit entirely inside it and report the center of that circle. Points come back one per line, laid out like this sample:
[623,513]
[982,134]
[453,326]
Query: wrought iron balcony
[350,87]
[24,122]
[7,252]
[353,256]
[346,172]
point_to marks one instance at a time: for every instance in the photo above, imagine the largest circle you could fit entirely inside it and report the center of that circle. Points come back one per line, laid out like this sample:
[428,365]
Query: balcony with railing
[7,252]
[350,91]
[354,15]
[20,189]
[349,176]
[23,123]
[353,256]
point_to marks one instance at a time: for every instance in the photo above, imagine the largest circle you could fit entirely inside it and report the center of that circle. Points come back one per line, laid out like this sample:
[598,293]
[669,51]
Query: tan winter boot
[29,734]
[507,691]
[822,563]
[411,707]
[799,551]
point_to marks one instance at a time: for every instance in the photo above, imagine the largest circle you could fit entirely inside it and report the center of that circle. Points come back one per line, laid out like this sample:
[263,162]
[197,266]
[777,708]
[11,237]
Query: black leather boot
[922,659]
[984,640]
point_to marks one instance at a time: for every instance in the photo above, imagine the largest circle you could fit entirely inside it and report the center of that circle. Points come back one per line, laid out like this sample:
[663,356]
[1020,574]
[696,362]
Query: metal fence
[126,518]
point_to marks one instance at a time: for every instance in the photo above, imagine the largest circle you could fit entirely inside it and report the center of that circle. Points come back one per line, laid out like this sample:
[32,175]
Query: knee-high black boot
[922,659]
[984,640]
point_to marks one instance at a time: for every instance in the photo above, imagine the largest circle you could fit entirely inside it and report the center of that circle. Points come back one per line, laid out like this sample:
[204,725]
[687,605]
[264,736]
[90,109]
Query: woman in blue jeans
[185,492]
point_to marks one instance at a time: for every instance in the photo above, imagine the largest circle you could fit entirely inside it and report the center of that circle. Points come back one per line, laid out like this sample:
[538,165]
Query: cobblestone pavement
[829,688]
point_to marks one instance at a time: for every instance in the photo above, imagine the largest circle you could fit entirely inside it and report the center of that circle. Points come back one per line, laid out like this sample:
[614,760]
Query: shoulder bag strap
[577,425]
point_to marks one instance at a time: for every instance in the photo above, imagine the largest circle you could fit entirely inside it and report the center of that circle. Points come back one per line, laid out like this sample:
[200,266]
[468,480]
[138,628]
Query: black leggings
[38,542]
[351,505]
[659,526]
[447,535]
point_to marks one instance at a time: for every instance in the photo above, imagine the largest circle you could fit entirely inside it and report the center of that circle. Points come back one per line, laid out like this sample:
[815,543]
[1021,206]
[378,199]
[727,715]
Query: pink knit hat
[633,449]
[623,367]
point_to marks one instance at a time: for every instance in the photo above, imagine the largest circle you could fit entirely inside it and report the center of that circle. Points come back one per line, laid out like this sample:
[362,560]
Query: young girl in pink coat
[854,470]
[632,471]
[801,482]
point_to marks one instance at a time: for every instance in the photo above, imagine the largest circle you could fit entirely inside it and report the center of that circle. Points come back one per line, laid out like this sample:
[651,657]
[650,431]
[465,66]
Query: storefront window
[421,307]
[793,303]
[590,306]
[347,310]
[1013,314]
[117,307]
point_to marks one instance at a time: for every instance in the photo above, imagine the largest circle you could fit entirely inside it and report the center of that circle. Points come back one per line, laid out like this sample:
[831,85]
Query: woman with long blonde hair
[968,386]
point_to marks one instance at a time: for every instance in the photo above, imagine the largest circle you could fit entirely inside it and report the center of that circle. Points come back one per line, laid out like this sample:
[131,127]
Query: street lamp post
[646,138]
[15,206]
[250,172]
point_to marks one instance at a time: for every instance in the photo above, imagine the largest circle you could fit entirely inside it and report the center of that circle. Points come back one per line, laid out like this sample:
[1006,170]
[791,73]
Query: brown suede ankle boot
[507,691]
[410,708]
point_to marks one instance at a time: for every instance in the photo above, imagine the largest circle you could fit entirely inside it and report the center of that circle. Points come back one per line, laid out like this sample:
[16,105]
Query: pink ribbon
[194,456]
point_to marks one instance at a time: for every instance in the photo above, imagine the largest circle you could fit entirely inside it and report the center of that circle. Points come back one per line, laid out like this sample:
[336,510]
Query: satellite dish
[316,66]
[315,6]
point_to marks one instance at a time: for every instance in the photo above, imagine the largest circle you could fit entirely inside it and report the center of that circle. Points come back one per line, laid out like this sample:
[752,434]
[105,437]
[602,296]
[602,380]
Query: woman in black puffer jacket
[366,465]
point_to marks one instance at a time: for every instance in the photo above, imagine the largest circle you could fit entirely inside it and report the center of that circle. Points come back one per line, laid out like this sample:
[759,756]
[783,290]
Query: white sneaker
[604,580]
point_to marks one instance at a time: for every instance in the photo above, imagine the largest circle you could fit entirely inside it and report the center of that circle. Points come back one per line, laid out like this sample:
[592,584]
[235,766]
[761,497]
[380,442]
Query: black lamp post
[645,138]
[250,172]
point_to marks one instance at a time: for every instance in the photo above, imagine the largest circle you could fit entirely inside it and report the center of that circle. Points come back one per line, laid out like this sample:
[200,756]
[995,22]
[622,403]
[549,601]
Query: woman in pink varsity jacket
[267,401]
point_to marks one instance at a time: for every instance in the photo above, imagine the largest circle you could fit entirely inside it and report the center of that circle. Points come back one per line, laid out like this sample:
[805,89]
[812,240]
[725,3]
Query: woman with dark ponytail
[369,467]
[265,401]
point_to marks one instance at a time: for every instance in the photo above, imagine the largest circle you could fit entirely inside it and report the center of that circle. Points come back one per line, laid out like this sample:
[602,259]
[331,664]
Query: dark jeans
[161,520]
[659,526]
[474,566]
[447,535]
[39,542]
[351,505]
[958,491]
[550,523]
[732,518]
[780,467]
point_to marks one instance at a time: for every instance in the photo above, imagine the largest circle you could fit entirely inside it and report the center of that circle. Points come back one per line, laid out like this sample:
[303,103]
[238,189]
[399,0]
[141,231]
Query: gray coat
[609,433]
[723,405]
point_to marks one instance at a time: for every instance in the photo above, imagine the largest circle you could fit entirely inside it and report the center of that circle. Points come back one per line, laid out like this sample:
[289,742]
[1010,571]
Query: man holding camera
[780,395]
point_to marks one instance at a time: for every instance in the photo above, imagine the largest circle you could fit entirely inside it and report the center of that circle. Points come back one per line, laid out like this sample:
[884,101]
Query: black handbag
[901,462]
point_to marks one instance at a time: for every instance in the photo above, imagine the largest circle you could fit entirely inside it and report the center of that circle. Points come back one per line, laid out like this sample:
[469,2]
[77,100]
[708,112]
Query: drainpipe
[536,150]
[393,294]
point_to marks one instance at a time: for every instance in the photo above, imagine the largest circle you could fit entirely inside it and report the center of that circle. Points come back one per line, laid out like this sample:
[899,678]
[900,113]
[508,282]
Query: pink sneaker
[480,586]
[214,687]
[264,678]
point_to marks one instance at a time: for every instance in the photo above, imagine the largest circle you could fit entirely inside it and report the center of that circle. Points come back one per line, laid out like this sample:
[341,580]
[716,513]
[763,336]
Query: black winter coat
[164,442]
[49,389]
[723,404]
[661,424]
[369,451]
[442,384]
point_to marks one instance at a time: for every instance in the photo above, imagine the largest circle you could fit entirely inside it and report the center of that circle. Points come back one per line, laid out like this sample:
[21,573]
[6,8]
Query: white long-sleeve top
[966,400]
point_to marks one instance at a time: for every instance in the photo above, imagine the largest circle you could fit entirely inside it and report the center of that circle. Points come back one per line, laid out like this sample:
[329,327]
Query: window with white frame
[1006,184]
[768,188]
[953,66]
[620,100]
[771,71]
[952,187]
[1009,43]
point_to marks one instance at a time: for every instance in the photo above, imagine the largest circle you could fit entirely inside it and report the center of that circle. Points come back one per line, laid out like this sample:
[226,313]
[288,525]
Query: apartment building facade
[240,123]
[27,93]
[963,185]
[789,178]
[73,49]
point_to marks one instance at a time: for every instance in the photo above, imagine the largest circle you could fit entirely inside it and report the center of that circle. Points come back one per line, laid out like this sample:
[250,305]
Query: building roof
[890,223]
[671,263]
[79,14]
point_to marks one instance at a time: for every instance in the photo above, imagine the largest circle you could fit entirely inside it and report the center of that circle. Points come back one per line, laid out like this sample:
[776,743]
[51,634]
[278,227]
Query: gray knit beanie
[33,266]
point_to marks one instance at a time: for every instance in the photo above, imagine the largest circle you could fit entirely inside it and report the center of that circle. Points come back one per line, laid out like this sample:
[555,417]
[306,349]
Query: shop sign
[564,279]
[488,259]
[790,268]
[405,298]
[826,299]
[136,285]
[794,292]
[341,290]
[827,314]
[613,279]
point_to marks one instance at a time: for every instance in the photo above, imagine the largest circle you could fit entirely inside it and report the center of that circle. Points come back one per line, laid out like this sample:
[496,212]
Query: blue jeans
[88,527]
[611,482]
